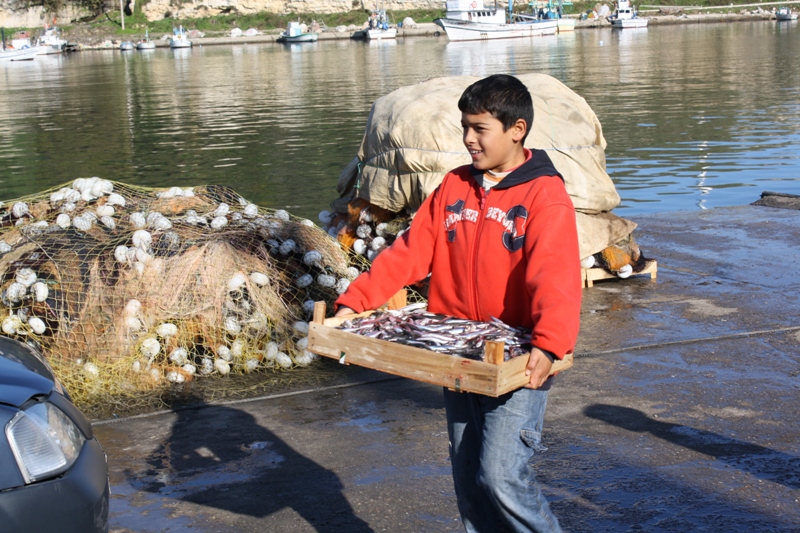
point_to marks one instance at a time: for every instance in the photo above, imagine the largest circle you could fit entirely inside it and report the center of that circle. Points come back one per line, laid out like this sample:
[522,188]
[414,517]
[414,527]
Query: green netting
[127,289]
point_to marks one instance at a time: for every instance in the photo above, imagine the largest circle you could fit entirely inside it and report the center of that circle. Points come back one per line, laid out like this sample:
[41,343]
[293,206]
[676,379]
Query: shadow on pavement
[220,457]
[756,460]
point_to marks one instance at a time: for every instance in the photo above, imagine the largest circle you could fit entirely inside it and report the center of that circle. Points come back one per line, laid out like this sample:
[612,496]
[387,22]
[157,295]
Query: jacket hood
[23,373]
[539,164]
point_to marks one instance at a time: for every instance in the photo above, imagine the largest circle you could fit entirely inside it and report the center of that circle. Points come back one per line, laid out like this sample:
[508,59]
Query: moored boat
[295,34]
[51,42]
[467,20]
[626,17]
[179,38]
[146,43]
[785,13]
[550,9]
[126,45]
[378,28]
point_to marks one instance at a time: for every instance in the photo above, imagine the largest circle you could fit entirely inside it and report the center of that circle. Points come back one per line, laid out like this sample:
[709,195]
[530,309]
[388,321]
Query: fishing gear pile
[126,289]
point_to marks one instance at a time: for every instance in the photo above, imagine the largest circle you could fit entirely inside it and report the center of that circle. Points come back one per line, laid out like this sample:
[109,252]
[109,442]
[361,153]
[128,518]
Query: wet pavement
[680,414]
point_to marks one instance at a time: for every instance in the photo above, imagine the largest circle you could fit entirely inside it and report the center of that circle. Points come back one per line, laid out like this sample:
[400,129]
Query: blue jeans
[492,442]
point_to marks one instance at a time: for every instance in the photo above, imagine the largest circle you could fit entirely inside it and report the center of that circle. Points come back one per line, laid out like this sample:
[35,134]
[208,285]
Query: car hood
[23,373]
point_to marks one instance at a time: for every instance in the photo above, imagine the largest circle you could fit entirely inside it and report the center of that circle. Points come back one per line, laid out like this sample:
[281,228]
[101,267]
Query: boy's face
[490,147]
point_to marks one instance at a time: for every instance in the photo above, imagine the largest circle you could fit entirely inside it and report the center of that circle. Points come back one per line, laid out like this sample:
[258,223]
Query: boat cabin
[474,11]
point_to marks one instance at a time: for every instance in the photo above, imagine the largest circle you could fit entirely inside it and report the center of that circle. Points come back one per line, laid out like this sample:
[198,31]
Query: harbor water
[696,116]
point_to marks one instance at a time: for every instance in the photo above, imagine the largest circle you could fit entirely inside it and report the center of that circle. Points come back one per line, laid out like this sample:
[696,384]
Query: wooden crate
[590,275]
[491,377]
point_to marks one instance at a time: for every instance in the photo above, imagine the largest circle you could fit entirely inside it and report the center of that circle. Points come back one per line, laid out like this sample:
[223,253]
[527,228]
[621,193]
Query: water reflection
[695,116]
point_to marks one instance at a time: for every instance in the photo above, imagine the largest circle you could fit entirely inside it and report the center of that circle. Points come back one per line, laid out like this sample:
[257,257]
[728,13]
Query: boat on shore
[179,38]
[626,17]
[379,28]
[785,13]
[295,34]
[469,20]
[50,42]
[146,43]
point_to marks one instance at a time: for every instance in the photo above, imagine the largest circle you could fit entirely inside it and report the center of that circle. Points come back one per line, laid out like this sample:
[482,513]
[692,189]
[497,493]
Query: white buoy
[150,347]
[167,330]
[224,353]
[259,278]
[26,276]
[236,282]
[287,247]
[222,366]
[283,360]
[326,280]
[37,325]
[40,291]
[179,356]
[304,281]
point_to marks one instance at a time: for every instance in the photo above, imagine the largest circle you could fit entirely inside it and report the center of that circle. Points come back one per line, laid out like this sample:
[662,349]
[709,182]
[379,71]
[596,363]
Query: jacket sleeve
[407,261]
[553,278]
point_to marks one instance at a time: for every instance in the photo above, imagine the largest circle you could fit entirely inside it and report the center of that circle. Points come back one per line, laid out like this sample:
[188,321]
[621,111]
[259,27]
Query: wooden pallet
[590,275]
[491,377]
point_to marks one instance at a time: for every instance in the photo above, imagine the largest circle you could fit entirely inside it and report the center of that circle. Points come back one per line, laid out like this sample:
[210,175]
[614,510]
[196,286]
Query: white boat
[179,38]
[378,29]
[785,13]
[469,20]
[146,43]
[126,45]
[295,34]
[51,42]
[21,54]
[625,16]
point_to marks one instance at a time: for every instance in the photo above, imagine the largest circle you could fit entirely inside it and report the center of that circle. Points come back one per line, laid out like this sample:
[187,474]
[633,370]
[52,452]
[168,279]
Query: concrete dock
[680,414]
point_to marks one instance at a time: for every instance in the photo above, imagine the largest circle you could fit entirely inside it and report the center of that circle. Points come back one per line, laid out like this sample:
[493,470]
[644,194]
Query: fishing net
[127,289]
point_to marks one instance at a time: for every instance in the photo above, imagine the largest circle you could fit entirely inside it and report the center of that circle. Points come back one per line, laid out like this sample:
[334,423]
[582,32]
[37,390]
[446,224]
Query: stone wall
[10,17]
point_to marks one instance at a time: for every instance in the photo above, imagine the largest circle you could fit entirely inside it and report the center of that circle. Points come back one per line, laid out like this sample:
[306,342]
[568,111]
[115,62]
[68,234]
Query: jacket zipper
[481,216]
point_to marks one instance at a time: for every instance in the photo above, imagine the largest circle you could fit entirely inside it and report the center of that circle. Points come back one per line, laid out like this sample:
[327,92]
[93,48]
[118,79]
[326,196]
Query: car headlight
[44,441]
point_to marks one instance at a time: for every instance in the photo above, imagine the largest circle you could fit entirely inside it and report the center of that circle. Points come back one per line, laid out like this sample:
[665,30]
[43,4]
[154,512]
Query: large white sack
[413,138]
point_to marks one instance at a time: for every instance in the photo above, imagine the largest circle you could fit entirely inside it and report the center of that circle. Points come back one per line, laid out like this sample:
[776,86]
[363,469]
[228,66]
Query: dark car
[53,472]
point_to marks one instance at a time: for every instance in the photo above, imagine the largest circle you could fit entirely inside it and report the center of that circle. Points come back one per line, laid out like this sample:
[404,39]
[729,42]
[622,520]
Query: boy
[499,239]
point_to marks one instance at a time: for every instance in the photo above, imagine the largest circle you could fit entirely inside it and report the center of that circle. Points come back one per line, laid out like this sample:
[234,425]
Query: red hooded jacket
[510,252]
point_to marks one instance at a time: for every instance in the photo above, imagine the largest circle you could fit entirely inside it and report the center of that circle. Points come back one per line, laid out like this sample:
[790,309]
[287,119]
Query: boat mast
[509,18]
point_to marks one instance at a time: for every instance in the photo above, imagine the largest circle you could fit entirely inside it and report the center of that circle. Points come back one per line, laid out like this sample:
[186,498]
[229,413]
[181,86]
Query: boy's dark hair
[503,96]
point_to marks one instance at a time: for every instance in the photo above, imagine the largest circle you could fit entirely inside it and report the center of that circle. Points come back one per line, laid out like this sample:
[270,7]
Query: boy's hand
[538,369]
[347,311]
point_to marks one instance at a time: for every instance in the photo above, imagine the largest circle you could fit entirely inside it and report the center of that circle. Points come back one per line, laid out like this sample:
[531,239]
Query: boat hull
[459,30]
[148,45]
[180,44]
[304,38]
[566,25]
[24,54]
[629,23]
[375,34]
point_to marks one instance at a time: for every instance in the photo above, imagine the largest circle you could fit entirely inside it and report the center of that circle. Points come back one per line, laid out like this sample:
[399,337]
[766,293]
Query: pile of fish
[413,325]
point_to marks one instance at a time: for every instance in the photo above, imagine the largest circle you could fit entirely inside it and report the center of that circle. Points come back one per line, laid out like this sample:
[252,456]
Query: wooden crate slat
[458,373]
[452,371]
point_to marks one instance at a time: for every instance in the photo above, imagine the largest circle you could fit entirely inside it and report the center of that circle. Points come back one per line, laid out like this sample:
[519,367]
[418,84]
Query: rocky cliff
[12,14]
